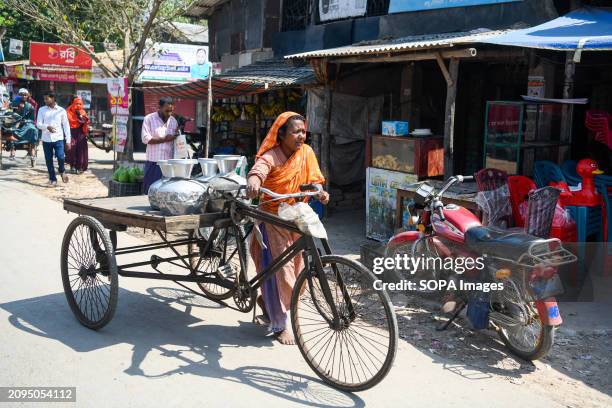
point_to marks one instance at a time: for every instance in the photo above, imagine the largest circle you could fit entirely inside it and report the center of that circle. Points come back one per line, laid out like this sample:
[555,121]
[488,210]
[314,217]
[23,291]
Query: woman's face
[295,135]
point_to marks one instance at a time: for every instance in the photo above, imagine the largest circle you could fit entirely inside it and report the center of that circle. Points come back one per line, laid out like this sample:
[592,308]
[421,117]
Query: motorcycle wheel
[541,345]
[425,248]
[528,338]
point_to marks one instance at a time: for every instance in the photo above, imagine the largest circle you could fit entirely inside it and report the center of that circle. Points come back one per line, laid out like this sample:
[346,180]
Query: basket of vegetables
[126,181]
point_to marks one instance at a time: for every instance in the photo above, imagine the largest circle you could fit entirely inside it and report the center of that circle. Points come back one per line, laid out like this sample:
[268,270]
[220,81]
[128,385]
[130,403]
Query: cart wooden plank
[135,211]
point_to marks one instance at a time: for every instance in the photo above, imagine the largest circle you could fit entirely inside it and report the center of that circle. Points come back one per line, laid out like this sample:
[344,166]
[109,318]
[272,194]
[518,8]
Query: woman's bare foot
[286,337]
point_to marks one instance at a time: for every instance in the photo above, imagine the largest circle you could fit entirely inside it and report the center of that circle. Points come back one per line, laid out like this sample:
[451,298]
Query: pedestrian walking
[77,156]
[159,129]
[53,122]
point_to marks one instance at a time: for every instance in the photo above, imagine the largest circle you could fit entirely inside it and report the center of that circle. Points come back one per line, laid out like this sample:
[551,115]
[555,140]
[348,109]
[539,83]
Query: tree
[134,24]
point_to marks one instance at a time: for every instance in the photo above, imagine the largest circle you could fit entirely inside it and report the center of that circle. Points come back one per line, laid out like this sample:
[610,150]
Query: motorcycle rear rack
[539,252]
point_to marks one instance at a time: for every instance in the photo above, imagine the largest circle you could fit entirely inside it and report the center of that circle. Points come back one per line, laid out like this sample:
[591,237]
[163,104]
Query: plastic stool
[588,223]
[546,171]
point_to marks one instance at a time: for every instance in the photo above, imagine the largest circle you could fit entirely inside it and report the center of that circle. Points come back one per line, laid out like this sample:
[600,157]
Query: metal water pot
[179,196]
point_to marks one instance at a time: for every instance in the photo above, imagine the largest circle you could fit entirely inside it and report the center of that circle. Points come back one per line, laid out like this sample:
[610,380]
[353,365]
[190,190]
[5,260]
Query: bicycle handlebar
[303,188]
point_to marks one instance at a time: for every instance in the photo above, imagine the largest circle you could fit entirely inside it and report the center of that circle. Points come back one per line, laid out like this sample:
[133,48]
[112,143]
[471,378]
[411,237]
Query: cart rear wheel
[89,272]
[357,353]
[222,262]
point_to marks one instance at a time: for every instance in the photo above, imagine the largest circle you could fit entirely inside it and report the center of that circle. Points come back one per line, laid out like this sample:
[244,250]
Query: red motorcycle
[519,270]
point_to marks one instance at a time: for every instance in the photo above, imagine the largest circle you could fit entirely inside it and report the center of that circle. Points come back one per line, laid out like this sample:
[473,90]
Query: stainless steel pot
[166,169]
[182,167]
[181,197]
[209,167]
[153,190]
[216,188]
[227,162]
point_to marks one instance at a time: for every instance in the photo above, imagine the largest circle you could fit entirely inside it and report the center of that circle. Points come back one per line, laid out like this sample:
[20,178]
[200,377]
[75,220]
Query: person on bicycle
[25,128]
[284,162]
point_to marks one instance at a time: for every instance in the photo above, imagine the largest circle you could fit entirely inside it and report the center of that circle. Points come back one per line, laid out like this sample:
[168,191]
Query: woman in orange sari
[77,156]
[284,162]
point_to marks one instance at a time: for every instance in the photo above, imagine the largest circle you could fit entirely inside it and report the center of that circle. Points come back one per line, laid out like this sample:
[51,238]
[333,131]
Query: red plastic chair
[519,187]
[598,122]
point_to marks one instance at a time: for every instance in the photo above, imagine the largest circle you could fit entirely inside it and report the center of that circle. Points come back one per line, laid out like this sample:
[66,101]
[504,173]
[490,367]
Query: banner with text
[337,9]
[401,6]
[58,55]
[118,96]
[166,62]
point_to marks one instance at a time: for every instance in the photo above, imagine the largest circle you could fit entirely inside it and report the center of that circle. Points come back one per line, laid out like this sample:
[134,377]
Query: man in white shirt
[53,122]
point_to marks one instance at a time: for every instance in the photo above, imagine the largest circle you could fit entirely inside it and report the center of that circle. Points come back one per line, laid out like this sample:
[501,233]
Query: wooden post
[258,121]
[326,138]
[449,119]
[209,109]
[567,110]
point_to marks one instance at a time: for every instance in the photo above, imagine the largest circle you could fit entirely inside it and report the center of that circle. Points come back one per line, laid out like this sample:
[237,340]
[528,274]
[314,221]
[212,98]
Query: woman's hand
[323,197]
[253,184]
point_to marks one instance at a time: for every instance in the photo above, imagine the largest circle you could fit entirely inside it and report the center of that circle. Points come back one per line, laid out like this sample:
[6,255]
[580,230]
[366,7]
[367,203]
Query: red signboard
[62,55]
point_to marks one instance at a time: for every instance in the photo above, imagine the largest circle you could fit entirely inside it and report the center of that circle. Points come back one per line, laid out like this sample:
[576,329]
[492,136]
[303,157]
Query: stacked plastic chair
[520,187]
[541,211]
[546,171]
[494,181]
[598,123]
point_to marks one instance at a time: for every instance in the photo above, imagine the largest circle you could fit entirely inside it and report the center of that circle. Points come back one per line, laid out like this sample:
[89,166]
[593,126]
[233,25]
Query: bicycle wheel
[359,353]
[221,261]
[89,272]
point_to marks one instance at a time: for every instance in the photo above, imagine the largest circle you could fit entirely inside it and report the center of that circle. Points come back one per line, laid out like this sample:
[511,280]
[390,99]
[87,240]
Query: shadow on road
[162,323]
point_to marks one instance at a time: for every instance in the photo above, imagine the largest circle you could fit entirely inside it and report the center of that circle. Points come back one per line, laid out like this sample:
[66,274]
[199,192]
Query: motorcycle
[523,270]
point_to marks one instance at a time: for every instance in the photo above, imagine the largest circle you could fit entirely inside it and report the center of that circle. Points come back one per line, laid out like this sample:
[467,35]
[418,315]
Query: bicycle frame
[306,244]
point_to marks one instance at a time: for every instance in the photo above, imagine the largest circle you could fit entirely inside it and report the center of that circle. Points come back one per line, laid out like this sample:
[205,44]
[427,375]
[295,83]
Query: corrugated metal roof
[251,79]
[203,7]
[419,42]
[273,71]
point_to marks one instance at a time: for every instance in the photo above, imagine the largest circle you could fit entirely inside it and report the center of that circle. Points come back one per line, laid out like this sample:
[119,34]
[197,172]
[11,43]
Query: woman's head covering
[17,100]
[271,139]
[73,118]
[301,168]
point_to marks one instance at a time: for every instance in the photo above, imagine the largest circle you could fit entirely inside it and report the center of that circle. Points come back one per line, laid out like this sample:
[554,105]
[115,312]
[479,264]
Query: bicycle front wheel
[358,353]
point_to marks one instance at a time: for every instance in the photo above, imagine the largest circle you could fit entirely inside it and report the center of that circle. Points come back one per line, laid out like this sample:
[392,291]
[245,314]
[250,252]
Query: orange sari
[282,175]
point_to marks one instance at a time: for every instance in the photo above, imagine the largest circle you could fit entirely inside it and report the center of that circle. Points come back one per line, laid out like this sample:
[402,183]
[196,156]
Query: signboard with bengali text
[58,55]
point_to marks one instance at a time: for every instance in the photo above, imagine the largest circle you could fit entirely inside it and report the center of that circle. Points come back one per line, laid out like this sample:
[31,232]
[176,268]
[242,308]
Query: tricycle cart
[345,329]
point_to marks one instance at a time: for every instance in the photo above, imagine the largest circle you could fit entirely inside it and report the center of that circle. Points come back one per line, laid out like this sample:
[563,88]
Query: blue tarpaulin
[587,29]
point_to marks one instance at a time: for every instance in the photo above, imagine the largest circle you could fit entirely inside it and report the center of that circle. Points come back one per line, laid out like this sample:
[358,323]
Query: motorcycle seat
[503,243]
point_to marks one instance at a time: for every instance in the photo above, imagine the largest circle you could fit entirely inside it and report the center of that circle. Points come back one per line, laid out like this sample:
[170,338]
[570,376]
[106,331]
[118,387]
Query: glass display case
[515,130]
[423,156]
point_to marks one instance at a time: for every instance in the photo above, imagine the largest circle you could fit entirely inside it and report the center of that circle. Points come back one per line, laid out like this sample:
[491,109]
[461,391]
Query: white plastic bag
[180,147]
[304,218]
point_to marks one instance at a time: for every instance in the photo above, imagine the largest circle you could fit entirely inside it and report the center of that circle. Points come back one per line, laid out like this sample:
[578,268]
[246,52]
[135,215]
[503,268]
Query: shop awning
[259,77]
[400,45]
[588,28]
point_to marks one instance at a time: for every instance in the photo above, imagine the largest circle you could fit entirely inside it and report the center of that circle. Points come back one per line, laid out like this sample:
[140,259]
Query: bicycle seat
[507,244]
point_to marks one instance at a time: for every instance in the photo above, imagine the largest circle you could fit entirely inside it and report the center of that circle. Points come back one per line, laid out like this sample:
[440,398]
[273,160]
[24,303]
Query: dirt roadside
[575,373]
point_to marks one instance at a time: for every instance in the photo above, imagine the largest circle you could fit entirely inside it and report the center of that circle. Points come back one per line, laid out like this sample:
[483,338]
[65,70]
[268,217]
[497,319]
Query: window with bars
[296,14]
[377,7]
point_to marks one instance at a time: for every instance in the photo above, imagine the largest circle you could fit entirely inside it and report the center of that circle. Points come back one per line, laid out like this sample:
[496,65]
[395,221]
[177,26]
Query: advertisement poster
[401,6]
[167,62]
[85,95]
[381,200]
[121,133]
[15,46]
[118,96]
[58,55]
[337,9]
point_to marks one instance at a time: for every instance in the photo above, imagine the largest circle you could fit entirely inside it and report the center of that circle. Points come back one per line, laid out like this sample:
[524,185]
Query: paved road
[166,348]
